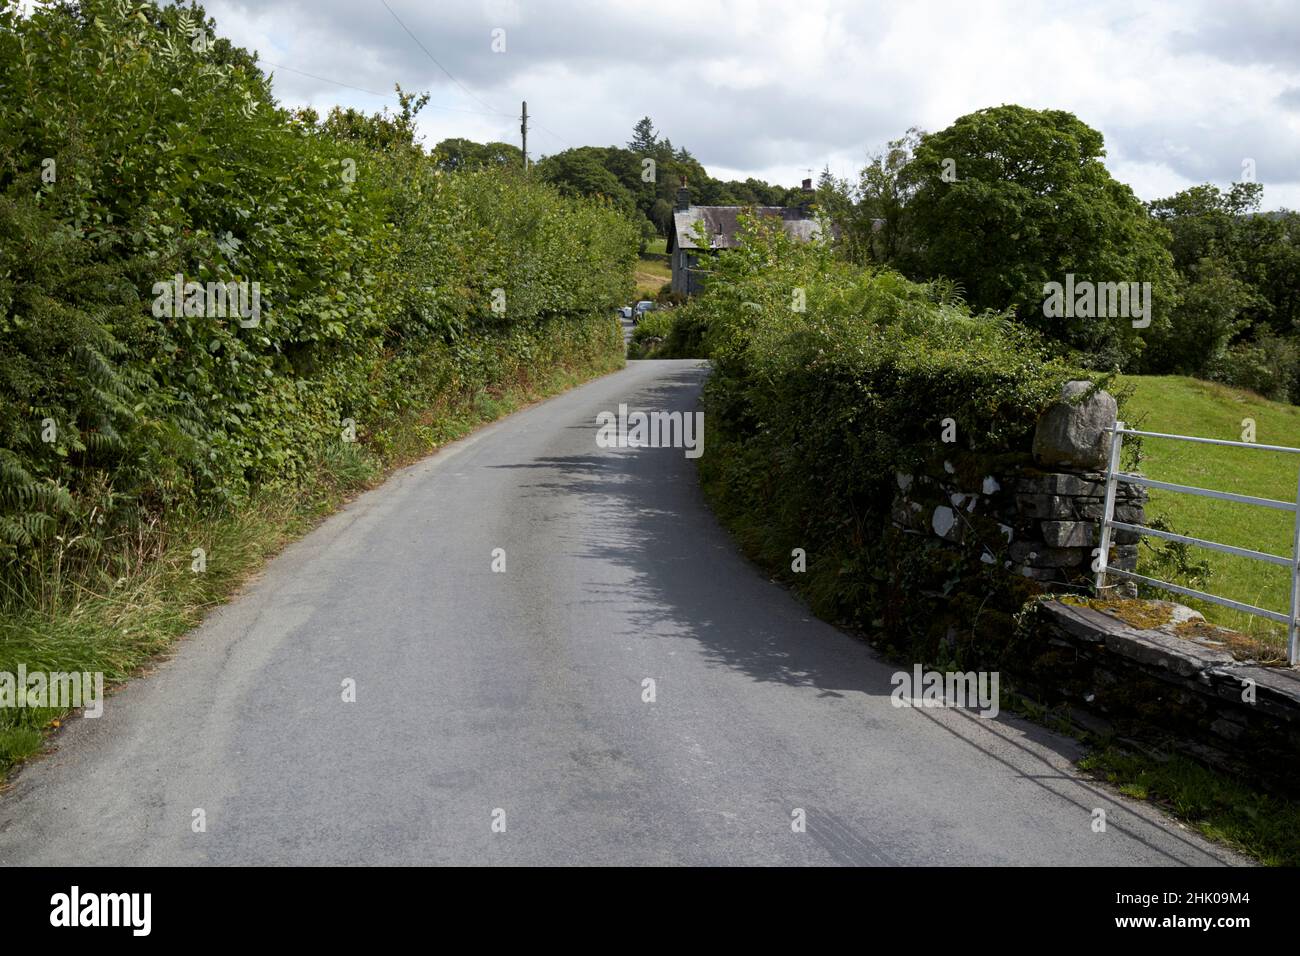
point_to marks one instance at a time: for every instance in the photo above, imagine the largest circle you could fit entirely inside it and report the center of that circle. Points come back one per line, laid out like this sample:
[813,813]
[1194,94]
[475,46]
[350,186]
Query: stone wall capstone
[1177,692]
[1040,508]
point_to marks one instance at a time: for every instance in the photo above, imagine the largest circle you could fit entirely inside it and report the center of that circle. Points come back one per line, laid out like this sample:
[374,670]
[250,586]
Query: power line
[437,64]
[463,87]
[324,79]
[552,132]
[359,89]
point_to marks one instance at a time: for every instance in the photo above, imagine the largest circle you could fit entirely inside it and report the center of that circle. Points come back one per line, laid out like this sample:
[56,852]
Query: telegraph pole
[523,132]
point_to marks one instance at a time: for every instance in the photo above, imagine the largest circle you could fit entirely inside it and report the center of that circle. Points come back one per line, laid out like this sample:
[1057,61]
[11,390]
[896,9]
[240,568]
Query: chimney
[683,197]
[807,185]
[806,200]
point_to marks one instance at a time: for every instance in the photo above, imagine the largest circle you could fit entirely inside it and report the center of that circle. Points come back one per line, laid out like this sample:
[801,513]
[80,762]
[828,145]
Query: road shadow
[688,577]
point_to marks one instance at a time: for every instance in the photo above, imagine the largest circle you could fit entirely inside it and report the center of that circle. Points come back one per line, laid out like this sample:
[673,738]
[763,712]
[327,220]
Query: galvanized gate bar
[1108,523]
[1212,598]
[1293,626]
[1215,441]
[1112,472]
[1208,492]
[1201,542]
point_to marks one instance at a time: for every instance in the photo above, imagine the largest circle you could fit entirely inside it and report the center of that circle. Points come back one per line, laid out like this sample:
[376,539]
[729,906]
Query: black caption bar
[134,906]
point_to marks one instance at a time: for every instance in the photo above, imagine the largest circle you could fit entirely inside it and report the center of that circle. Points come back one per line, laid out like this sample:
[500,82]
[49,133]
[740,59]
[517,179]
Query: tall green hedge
[831,380]
[135,146]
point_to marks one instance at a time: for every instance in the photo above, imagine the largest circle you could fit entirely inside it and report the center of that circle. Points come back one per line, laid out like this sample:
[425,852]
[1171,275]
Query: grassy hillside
[1187,406]
[651,274]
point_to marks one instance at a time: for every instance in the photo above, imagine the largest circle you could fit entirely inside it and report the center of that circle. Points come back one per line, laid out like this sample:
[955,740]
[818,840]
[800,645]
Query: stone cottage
[688,255]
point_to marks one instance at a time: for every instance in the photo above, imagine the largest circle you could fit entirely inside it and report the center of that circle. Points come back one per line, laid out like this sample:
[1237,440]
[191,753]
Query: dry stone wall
[1037,510]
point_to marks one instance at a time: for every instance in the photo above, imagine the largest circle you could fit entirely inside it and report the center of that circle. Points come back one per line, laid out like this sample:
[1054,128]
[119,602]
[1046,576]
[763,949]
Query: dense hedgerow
[671,333]
[135,147]
[813,413]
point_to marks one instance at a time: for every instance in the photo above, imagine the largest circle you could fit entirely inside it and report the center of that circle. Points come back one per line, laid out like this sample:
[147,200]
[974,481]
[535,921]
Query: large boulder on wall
[1072,433]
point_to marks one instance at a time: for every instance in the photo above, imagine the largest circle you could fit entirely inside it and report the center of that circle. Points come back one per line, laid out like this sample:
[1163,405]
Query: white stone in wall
[942,521]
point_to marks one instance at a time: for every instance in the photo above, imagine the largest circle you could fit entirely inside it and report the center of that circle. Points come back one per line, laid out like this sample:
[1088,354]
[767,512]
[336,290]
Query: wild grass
[1188,406]
[1216,805]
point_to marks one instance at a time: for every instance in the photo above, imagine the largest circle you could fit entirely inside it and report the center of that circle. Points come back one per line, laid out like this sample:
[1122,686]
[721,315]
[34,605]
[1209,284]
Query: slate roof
[722,223]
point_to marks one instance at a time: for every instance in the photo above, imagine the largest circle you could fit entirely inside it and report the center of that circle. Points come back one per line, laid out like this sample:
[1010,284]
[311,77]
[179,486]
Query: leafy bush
[1268,366]
[813,413]
[650,334]
[134,147]
[667,334]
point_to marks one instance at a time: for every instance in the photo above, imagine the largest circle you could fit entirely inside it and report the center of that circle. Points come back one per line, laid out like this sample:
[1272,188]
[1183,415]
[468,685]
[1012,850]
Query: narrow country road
[522,692]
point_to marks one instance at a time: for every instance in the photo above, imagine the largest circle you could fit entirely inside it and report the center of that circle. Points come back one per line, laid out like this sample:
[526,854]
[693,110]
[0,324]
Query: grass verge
[1215,805]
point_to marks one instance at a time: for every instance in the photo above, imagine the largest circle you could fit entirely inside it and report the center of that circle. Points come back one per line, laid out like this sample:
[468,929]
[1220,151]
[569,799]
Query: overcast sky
[1184,91]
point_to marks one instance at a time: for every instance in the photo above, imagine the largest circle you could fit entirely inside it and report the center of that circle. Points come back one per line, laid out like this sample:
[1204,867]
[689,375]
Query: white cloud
[769,88]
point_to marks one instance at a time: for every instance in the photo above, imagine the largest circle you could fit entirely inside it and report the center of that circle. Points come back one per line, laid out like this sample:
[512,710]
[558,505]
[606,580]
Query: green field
[651,274]
[1186,406]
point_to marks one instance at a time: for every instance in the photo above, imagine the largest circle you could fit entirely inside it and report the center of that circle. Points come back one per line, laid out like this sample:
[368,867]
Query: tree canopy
[1008,199]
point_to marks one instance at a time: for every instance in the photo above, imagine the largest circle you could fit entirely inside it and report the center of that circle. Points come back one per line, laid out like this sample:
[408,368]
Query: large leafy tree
[1008,199]
[455,154]
[1260,250]
[584,172]
[871,215]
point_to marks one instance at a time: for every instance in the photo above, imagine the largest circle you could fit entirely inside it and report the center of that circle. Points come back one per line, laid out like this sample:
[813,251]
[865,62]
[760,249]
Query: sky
[1184,91]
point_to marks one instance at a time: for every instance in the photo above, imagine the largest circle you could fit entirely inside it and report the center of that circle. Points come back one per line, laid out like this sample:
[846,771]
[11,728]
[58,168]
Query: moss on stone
[1143,615]
[1242,647]
[1150,615]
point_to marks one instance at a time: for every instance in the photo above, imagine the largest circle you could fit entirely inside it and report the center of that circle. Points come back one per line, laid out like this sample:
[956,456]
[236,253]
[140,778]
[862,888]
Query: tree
[1279,263]
[661,214]
[1208,316]
[1009,199]
[454,154]
[1260,249]
[870,215]
[883,196]
[644,138]
[380,131]
[582,172]
[836,199]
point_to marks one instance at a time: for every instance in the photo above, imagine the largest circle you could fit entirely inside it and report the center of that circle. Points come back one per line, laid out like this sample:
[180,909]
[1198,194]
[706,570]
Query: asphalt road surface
[500,717]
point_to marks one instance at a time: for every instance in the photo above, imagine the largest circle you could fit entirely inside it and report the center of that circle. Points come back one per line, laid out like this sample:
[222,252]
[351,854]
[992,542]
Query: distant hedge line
[135,147]
[829,380]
